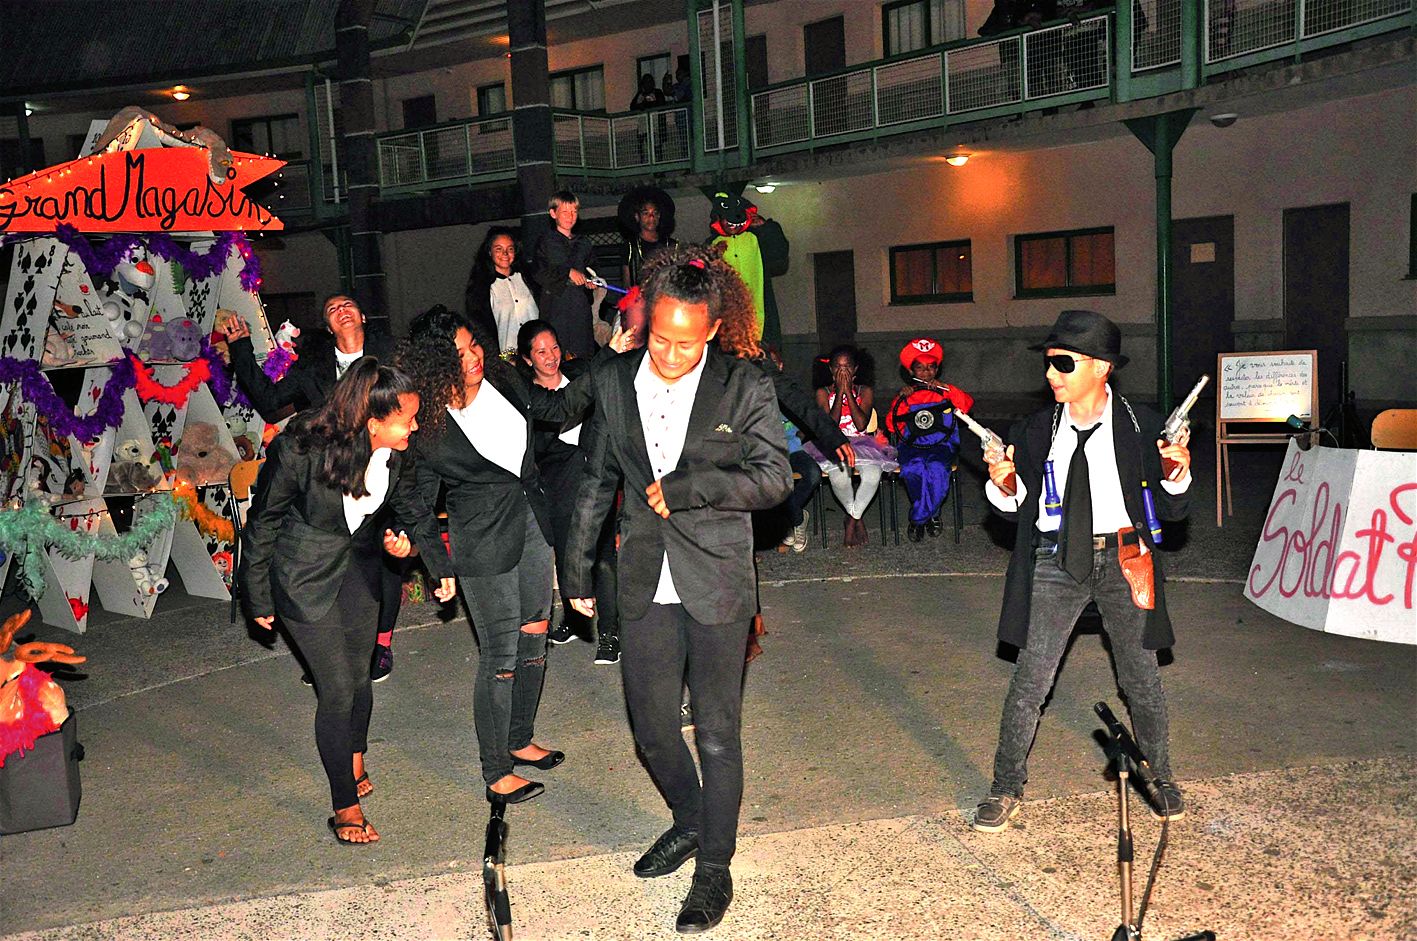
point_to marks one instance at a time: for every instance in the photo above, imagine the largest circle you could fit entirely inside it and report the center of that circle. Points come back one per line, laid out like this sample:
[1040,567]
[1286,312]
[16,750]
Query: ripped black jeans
[511,664]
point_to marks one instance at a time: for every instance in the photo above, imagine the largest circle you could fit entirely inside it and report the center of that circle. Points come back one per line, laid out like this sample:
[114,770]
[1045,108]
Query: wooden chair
[1395,430]
[239,483]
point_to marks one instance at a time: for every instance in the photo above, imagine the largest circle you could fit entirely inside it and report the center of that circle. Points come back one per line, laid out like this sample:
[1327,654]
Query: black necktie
[1076,541]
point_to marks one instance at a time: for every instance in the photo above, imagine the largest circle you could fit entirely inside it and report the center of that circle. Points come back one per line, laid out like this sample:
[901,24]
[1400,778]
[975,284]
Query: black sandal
[362,826]
[363,779]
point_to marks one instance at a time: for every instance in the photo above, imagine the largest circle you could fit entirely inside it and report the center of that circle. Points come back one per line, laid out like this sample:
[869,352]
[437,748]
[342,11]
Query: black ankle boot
[708,899]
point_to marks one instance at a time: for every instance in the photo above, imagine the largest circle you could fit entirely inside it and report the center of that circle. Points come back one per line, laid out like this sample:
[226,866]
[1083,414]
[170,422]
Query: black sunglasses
[1063,362]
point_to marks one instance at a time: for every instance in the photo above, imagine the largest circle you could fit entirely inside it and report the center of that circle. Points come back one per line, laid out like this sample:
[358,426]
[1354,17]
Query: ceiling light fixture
[765,188]
[180,93]
[958,159]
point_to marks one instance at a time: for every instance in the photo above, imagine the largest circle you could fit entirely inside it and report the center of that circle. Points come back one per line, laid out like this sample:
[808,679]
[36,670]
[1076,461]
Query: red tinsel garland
[149,389]
[21,736]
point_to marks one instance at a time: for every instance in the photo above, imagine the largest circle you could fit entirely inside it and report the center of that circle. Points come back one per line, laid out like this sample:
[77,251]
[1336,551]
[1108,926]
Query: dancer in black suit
[699,442]
[332,485]
[477,443]
[308,384]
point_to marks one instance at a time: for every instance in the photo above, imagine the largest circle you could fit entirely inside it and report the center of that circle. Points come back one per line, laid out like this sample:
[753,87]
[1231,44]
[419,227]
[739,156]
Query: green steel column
[1159,133]
[740,87]
[316,176]
[1122,61]
[1192,22]
[696,92]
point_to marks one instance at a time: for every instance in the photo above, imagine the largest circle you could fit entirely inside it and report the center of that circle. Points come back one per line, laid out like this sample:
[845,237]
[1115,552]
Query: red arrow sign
[157,189]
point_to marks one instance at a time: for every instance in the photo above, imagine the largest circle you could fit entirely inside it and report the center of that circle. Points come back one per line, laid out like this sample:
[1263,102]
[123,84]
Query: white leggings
[840,480]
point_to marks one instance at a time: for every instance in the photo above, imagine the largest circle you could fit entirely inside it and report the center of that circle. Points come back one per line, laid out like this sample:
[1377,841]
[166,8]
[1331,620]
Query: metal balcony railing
[1237,28]
[450,152]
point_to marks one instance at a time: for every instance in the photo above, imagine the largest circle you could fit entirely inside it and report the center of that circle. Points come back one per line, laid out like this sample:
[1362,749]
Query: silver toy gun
[993,449]
[1177,423]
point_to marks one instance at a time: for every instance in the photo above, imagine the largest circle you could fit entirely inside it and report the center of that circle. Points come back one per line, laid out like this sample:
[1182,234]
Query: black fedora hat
[1086,332]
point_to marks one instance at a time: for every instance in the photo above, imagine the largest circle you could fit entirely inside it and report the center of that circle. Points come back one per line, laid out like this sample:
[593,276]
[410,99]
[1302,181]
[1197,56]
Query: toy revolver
[993,449]
[1177,422]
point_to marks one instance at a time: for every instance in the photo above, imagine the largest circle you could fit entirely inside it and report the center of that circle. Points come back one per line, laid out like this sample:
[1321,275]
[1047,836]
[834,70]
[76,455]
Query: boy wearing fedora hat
[1085,468]
[927,439]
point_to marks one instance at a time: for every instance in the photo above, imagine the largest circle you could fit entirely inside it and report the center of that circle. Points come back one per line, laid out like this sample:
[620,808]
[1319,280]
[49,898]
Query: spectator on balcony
[646,216]
[648,96]
[560,267]
[667,86]
[683,87]
[499,296]
[1084,57]
[1011,15]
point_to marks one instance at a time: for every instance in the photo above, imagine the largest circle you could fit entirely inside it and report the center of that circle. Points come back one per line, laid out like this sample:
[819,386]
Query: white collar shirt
[494,427]
[664,417]
[376,481]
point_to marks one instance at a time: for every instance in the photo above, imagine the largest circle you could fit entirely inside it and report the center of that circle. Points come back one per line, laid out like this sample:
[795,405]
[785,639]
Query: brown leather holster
[1137,568]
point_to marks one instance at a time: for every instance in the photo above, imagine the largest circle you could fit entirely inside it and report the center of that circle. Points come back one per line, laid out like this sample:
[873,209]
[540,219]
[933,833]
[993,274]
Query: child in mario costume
[922,420]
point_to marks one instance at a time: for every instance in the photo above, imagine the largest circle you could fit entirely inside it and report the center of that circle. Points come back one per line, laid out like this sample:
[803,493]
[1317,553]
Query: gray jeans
[1057,602]
[511,663]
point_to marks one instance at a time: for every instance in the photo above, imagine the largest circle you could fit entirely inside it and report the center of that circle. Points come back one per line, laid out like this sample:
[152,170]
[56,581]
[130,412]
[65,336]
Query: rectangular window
[579,89]
[824,46]
[279,135]
[420,112]
[492,99]
[656,67]
[935,273]
[908,25]
[1064,264]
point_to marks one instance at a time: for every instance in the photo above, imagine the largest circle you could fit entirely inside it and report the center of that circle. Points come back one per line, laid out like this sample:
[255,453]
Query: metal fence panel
[1068,58]
[400,160]
[983,76]
[781,116]
[596,134]
[669,134]
[445,153]
[909,90]
[567,131]
[632,143]
[1156,34]
[712,78]
[1236,27]
[1325,16]
[841,104]
[490,146]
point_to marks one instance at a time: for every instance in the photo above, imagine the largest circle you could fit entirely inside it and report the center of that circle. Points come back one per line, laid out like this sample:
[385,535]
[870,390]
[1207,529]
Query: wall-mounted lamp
[29,110]
[765,188]
[180,93]
[958,159]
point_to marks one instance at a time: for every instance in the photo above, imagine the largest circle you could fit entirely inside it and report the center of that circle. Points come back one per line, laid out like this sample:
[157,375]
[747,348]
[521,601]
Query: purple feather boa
[36,388]
[103,258]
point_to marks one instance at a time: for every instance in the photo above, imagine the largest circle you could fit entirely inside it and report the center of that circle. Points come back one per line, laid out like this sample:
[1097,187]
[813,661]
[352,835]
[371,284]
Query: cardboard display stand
[1258,388]
[69,319]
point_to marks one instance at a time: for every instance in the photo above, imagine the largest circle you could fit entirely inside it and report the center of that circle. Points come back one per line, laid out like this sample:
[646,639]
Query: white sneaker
[799,537]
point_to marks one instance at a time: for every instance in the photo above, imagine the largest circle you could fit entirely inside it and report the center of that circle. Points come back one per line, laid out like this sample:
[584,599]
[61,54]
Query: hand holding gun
[1177,427]
[994,451]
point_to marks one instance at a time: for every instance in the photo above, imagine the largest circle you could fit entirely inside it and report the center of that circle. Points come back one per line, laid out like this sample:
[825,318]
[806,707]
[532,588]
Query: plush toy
[239,436]
[120,321]
[132,471]
[135,274]
[200,455]
[286,335]
[186,339]
[157,341]
[147,576]
[31,704]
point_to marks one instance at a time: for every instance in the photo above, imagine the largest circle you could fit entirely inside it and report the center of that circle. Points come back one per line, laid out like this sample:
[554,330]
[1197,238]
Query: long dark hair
[430,357]
[527,335]
[483,271]
[340,427]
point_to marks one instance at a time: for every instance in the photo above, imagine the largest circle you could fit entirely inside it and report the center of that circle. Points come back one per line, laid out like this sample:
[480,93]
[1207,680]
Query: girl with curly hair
[476,445]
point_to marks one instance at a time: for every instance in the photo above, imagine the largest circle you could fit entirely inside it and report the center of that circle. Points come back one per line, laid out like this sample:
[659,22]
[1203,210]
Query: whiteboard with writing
[1266,386]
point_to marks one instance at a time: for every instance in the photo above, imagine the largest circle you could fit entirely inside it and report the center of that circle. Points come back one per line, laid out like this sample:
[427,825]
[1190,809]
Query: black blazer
[296,546]
[487,503]
[1137,461]
[734,461]
[311,378]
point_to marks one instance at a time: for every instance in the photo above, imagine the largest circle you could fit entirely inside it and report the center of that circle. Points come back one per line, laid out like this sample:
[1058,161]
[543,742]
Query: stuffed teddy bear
[132,471]
[286,336]
[146,576]
[186,339]
[244,445]
[200,455]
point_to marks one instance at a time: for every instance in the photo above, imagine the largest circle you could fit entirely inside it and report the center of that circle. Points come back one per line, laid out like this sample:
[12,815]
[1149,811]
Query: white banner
[1338,551]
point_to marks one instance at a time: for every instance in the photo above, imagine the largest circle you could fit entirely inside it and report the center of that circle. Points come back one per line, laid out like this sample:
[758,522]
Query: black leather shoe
[915,532]
[934,526]
[545,763]
[673,849]
[524,793]
[708,899]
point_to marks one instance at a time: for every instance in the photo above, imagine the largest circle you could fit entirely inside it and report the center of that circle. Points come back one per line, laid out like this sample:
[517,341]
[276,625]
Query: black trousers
[659,652]
[563,477]
[336,649]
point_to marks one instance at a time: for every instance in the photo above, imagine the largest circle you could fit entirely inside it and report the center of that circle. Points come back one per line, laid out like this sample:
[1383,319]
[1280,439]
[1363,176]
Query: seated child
[927,437]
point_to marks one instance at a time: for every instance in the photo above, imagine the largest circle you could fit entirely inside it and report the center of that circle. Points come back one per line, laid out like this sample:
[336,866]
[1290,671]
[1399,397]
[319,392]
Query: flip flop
[363,779]
[336,827]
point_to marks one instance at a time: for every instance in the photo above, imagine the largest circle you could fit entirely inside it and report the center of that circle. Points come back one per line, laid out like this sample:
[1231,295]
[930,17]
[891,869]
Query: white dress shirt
[512,306]
[572,435]
[345,360]
[664,417]
[376,481]
[494,427]
[1109,510]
